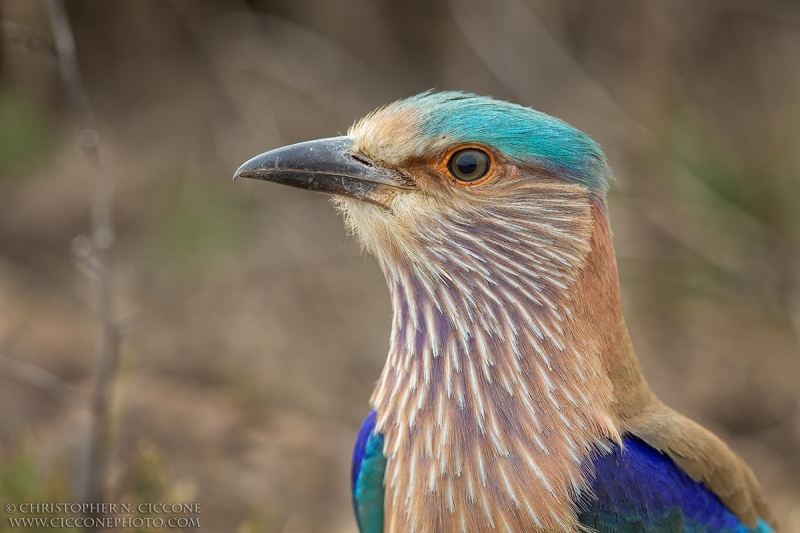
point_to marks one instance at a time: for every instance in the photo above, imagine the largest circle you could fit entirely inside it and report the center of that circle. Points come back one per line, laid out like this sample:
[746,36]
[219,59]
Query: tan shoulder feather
[705,458]
[700,453]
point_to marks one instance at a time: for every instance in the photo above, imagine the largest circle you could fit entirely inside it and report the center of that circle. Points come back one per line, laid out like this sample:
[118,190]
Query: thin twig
[39,378]
[102,240]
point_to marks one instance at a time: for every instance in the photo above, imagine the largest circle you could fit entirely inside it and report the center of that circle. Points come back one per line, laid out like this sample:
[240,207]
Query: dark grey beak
[326,166]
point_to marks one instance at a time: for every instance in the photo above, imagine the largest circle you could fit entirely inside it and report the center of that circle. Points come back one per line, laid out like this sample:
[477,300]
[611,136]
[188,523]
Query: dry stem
[97,451]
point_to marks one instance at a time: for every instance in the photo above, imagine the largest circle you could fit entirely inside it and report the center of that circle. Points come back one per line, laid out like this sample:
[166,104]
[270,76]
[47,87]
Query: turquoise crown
[520,133]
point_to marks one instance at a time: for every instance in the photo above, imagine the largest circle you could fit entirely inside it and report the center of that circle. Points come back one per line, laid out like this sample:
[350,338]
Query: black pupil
[467,163]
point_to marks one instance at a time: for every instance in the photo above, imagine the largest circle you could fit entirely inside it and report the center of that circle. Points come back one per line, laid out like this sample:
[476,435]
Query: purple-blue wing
[637,489]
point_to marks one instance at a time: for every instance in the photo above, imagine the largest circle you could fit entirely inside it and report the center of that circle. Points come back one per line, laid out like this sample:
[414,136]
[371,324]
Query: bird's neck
[499,386]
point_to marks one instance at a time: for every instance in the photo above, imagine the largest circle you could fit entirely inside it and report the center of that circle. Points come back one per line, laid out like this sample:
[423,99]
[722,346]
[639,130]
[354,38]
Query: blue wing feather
[369,465]
[637,489]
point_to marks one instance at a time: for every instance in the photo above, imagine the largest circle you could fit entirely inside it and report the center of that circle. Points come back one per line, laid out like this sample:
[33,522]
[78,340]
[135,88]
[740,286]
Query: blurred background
[253,328]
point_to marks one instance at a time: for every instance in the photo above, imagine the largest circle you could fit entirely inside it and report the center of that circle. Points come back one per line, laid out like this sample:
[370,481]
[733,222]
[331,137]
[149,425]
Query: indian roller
[511,399]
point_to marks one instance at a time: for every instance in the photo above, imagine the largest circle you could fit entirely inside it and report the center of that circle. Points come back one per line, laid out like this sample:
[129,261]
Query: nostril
[362,160]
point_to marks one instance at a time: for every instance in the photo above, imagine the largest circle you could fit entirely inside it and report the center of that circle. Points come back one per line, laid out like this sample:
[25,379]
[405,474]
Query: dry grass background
[255,328]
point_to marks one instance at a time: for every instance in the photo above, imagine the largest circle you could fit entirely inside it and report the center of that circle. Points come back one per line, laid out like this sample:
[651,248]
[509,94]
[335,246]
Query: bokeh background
[254,327]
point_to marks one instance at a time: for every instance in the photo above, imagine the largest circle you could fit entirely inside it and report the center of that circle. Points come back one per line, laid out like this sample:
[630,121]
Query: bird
[512,399]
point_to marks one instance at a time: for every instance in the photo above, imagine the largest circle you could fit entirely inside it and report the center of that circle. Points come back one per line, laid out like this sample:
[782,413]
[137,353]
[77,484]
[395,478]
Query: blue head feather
[520,133]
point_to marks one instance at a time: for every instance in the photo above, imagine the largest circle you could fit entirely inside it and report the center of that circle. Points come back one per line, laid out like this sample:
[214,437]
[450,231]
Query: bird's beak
[326,166]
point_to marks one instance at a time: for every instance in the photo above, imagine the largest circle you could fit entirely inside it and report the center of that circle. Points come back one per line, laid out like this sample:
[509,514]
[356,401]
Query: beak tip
[247,174]
[244,170]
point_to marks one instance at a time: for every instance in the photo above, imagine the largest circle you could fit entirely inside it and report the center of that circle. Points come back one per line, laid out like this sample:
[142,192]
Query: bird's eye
[469,164]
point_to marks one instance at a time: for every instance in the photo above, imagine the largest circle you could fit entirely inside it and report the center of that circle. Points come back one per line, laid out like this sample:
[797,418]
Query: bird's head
[448,182]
